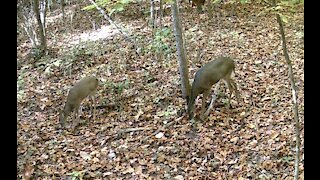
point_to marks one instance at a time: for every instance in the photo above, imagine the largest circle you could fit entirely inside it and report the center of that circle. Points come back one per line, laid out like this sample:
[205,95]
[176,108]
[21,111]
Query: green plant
[119,87]
[110,6]
[168,111]
[160,43]
[20,87]
[77,174]
[37,53]
[282,8]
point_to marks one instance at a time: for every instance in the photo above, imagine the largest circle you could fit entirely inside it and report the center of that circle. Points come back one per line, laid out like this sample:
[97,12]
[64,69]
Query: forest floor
[139,94]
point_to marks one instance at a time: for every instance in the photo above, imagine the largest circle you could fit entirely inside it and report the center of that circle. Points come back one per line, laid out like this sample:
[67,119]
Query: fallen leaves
[251,141]
[28,171]
[159,135]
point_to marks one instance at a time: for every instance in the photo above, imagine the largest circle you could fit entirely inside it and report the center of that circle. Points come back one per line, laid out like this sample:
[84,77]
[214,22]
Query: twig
[163,127]
[134,129]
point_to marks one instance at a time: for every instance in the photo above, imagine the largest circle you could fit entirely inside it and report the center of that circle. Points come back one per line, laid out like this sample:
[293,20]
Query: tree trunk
[43,43]
[54,4]
[183,63]
[294,95]
[160,14]
[43,12]
[62,9]
[152,15]
[49,4]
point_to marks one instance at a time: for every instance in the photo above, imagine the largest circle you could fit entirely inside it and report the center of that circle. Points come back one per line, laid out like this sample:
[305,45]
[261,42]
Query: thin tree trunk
[54,4]
[62,9]
[161,14]
[43,44]
[160,54]
[183,63]
[294,95]
[43,11]
[49,5]
[152,16]
[233,8]
[210,9]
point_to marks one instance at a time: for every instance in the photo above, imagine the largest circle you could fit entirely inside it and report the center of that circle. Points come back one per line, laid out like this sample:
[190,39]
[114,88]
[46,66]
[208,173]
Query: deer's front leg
[205,95]
[77,119]
[213,99]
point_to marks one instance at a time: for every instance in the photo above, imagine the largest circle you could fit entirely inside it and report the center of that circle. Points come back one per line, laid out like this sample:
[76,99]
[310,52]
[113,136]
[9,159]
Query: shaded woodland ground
[254,140]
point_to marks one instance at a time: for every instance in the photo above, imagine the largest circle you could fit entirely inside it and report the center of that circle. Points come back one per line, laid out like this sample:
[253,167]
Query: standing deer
[208,75]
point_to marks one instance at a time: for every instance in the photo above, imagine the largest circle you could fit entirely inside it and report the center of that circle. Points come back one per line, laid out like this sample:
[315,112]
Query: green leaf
[300,34]
[216,1]
[287,159]
[243,1]
[118,7]
[166,31]
[278,8]
[125,1]
[283,18]
[90,7]
[111,12]
[168,1]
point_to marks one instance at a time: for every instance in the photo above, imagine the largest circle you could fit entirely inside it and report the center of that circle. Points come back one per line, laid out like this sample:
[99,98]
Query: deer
[87,86]
[211,73]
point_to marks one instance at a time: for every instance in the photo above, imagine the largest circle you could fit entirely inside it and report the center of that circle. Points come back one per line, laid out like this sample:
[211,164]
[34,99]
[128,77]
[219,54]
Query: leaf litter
[255,140]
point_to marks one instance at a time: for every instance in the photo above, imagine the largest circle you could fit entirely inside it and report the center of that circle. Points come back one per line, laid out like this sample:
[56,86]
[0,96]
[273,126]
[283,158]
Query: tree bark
[161,14]
[183,63]
[43,43]
[43,12]
[152,16]
[54,4]
[62,9]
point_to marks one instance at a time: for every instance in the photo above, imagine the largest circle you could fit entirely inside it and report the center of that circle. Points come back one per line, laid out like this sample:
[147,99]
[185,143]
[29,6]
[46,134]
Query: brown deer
[208,75]
[87,86]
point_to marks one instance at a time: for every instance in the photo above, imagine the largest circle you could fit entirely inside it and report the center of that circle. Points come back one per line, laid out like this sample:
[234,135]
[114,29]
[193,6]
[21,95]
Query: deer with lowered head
[208,75]
[87,86]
